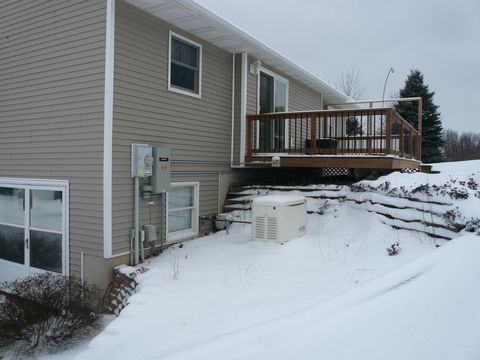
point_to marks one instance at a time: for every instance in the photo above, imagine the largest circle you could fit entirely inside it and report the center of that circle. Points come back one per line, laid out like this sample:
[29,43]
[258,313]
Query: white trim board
[108,129]
[243,109]
[34,182]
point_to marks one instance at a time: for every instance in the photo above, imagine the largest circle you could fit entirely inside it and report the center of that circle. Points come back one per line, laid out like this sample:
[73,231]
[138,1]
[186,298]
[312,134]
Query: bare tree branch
[350,83]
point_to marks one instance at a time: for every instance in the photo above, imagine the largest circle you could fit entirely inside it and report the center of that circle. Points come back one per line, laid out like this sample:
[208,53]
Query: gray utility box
[161,170]
[142,160]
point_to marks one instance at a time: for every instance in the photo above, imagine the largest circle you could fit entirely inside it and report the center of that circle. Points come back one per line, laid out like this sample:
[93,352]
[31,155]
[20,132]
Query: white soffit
[194,18]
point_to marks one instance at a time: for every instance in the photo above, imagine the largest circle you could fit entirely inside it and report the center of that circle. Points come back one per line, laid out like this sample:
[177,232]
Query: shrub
[46,309]
[394,249]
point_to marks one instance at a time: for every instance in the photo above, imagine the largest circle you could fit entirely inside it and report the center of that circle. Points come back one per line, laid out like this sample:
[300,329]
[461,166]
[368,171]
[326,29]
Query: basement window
[184,65]
[182,211]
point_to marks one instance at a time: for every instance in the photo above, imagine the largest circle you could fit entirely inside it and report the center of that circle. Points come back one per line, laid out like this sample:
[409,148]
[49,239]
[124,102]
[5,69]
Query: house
[81,81]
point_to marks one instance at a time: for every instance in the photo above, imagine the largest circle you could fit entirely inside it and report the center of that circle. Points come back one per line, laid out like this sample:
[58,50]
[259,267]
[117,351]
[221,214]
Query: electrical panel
[142,160]
[161,170]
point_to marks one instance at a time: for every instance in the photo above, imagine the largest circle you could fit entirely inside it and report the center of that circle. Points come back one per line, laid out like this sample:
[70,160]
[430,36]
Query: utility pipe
[137,222]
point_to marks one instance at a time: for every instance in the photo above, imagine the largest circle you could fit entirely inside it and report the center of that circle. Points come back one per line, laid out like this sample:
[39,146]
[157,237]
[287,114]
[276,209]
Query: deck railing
[379,131]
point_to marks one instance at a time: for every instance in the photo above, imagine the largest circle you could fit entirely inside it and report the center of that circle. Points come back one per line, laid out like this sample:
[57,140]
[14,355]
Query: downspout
[243,110]
[233,109]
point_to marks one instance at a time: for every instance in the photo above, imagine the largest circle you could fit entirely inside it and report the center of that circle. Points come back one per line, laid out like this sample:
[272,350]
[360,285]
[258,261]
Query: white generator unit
[279,218]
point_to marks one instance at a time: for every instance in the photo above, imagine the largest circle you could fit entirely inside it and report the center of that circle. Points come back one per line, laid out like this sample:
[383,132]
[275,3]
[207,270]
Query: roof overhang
[194,18]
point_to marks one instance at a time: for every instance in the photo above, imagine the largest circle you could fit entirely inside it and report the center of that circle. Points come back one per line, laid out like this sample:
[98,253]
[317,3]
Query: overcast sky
[328,38]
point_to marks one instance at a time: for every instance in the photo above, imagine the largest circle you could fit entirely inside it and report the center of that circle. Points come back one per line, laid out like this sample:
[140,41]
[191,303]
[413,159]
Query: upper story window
[184,65]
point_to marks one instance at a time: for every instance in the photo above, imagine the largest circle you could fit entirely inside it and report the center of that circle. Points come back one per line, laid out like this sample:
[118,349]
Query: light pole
[390,71]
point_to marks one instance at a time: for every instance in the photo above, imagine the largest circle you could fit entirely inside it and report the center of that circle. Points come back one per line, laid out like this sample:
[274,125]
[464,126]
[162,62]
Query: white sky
[328,38]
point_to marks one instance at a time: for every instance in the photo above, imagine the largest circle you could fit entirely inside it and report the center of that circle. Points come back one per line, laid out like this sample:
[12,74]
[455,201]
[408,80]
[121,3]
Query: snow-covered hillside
[332,294]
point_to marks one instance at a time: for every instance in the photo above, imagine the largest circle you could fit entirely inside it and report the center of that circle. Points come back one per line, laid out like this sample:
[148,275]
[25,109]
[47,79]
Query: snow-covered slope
[332,294]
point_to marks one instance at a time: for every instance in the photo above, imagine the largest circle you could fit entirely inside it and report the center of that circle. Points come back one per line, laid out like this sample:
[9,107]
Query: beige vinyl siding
[198,131]
[300,98]
[51,105]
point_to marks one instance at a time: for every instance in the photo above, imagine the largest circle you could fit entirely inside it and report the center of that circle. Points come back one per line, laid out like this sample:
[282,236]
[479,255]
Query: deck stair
[423,216]
[241,198]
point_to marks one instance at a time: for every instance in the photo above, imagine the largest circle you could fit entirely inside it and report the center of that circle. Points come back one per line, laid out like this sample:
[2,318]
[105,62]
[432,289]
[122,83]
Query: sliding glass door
[12,225]
[33,230]
[273,93]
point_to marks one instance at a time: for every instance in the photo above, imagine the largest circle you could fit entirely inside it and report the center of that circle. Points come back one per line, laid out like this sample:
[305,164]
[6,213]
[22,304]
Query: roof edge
[215,20]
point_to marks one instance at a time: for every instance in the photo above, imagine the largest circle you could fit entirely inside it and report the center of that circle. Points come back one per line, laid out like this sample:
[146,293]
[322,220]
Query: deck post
[249,136]
[369,129]
[411,145]
[313,134]
[401,146]
[388,128]
[325,126]
[420,126]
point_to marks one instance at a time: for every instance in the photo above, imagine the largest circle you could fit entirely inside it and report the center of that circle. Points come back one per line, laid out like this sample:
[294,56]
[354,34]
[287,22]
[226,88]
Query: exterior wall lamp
[255,67]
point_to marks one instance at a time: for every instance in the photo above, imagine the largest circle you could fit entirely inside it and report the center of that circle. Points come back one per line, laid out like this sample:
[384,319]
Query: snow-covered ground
[332,294]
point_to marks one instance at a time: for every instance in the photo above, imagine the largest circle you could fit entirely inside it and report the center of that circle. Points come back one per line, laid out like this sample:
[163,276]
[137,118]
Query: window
[33,227]
[182,211]
[184,66]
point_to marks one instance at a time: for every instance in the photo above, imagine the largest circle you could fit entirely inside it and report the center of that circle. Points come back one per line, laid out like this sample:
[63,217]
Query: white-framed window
[33,227]
[183,201]
[184,65]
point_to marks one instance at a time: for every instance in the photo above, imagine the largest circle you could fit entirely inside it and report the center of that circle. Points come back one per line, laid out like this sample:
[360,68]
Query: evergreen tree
[432,130]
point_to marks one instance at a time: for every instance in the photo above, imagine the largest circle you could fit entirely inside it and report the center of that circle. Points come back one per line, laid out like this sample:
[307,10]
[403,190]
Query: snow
[331,294]
[454,180]
[278,200]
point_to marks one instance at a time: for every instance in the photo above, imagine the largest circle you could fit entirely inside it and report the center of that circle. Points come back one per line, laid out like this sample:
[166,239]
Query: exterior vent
[278,218]
[260,228]
[272,230]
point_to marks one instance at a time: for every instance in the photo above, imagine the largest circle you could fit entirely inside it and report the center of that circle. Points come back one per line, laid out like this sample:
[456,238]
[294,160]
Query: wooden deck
[351,162]
[355,138]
